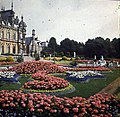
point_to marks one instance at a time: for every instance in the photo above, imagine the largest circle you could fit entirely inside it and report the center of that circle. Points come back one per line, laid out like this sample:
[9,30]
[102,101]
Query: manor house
[13,38]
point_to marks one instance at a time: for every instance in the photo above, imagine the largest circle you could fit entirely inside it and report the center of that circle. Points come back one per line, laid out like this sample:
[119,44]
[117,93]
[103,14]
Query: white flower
[7,74]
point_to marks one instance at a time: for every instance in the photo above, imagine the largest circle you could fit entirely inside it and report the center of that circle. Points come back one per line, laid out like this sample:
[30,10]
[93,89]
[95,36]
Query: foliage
[10,59]
[2,59]
[97,46]
[37,57]
[20,59]
[52,44]
[73,63]
[57,58]
[66,58]
[77,58]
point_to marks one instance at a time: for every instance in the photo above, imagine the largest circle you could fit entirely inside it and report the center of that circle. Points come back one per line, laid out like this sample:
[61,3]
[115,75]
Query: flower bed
[8,63]
[47,84]
[57,92]
[52,83]
[82,61]
[34,66]
[8,76]
[83,76]
[88,68]
[16,103]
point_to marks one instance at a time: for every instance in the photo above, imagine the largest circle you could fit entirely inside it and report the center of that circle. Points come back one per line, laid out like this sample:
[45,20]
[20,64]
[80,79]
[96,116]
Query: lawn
[93,86]
[13,86]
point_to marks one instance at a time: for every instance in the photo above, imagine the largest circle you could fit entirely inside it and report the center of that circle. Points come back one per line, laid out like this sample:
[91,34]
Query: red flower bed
[82,61]
[46,82]
[88,68]
[8,63]
[96,106]
[42,81]
[32,67]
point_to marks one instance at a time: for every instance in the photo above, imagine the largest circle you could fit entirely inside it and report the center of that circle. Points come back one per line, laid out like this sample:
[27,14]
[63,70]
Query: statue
[22,24]
[16,21]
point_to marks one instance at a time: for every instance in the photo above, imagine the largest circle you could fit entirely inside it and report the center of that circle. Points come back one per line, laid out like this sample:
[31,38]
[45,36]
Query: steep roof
[28,40]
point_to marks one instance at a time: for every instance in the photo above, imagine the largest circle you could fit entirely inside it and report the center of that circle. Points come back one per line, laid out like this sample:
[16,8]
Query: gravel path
[111,88]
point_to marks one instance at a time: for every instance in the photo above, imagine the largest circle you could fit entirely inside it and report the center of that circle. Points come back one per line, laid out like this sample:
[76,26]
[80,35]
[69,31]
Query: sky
[77,20]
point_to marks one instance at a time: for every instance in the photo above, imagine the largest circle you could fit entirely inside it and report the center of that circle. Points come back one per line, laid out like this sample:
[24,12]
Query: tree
[95,47]
[53,44]
[69,46]
[116,46]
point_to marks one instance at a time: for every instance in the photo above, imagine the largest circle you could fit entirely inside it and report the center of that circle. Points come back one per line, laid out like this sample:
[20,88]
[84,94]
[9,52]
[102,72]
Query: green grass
[93,86]
[13,86]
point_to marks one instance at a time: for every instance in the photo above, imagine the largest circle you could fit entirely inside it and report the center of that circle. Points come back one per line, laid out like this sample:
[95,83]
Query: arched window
[2,48]
[14,50]
[2,35]
[8,48]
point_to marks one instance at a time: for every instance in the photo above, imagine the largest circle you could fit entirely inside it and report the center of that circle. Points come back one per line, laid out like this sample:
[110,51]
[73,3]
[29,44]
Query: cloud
[75,19]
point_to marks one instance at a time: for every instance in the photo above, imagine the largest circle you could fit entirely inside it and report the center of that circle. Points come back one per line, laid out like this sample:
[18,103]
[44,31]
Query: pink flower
[40,110]
[66,110]
[32,109]
[75,110]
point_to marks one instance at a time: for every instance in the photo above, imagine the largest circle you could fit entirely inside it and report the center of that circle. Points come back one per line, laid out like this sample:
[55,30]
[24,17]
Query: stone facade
[8,40]
[33,45]
[11,33]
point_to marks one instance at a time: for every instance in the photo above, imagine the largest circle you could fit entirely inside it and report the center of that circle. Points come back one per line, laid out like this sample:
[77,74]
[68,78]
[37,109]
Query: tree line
[98,46]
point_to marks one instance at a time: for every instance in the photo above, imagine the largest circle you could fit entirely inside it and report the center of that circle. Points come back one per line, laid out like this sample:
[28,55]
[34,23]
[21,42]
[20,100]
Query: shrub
[47,58]
[57,58]
[61,53]
[10,59]
[37,57]
[77,58]
[68,59]
[72,59]
[20,59]
[64,58]
[2,59]
[73,63]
